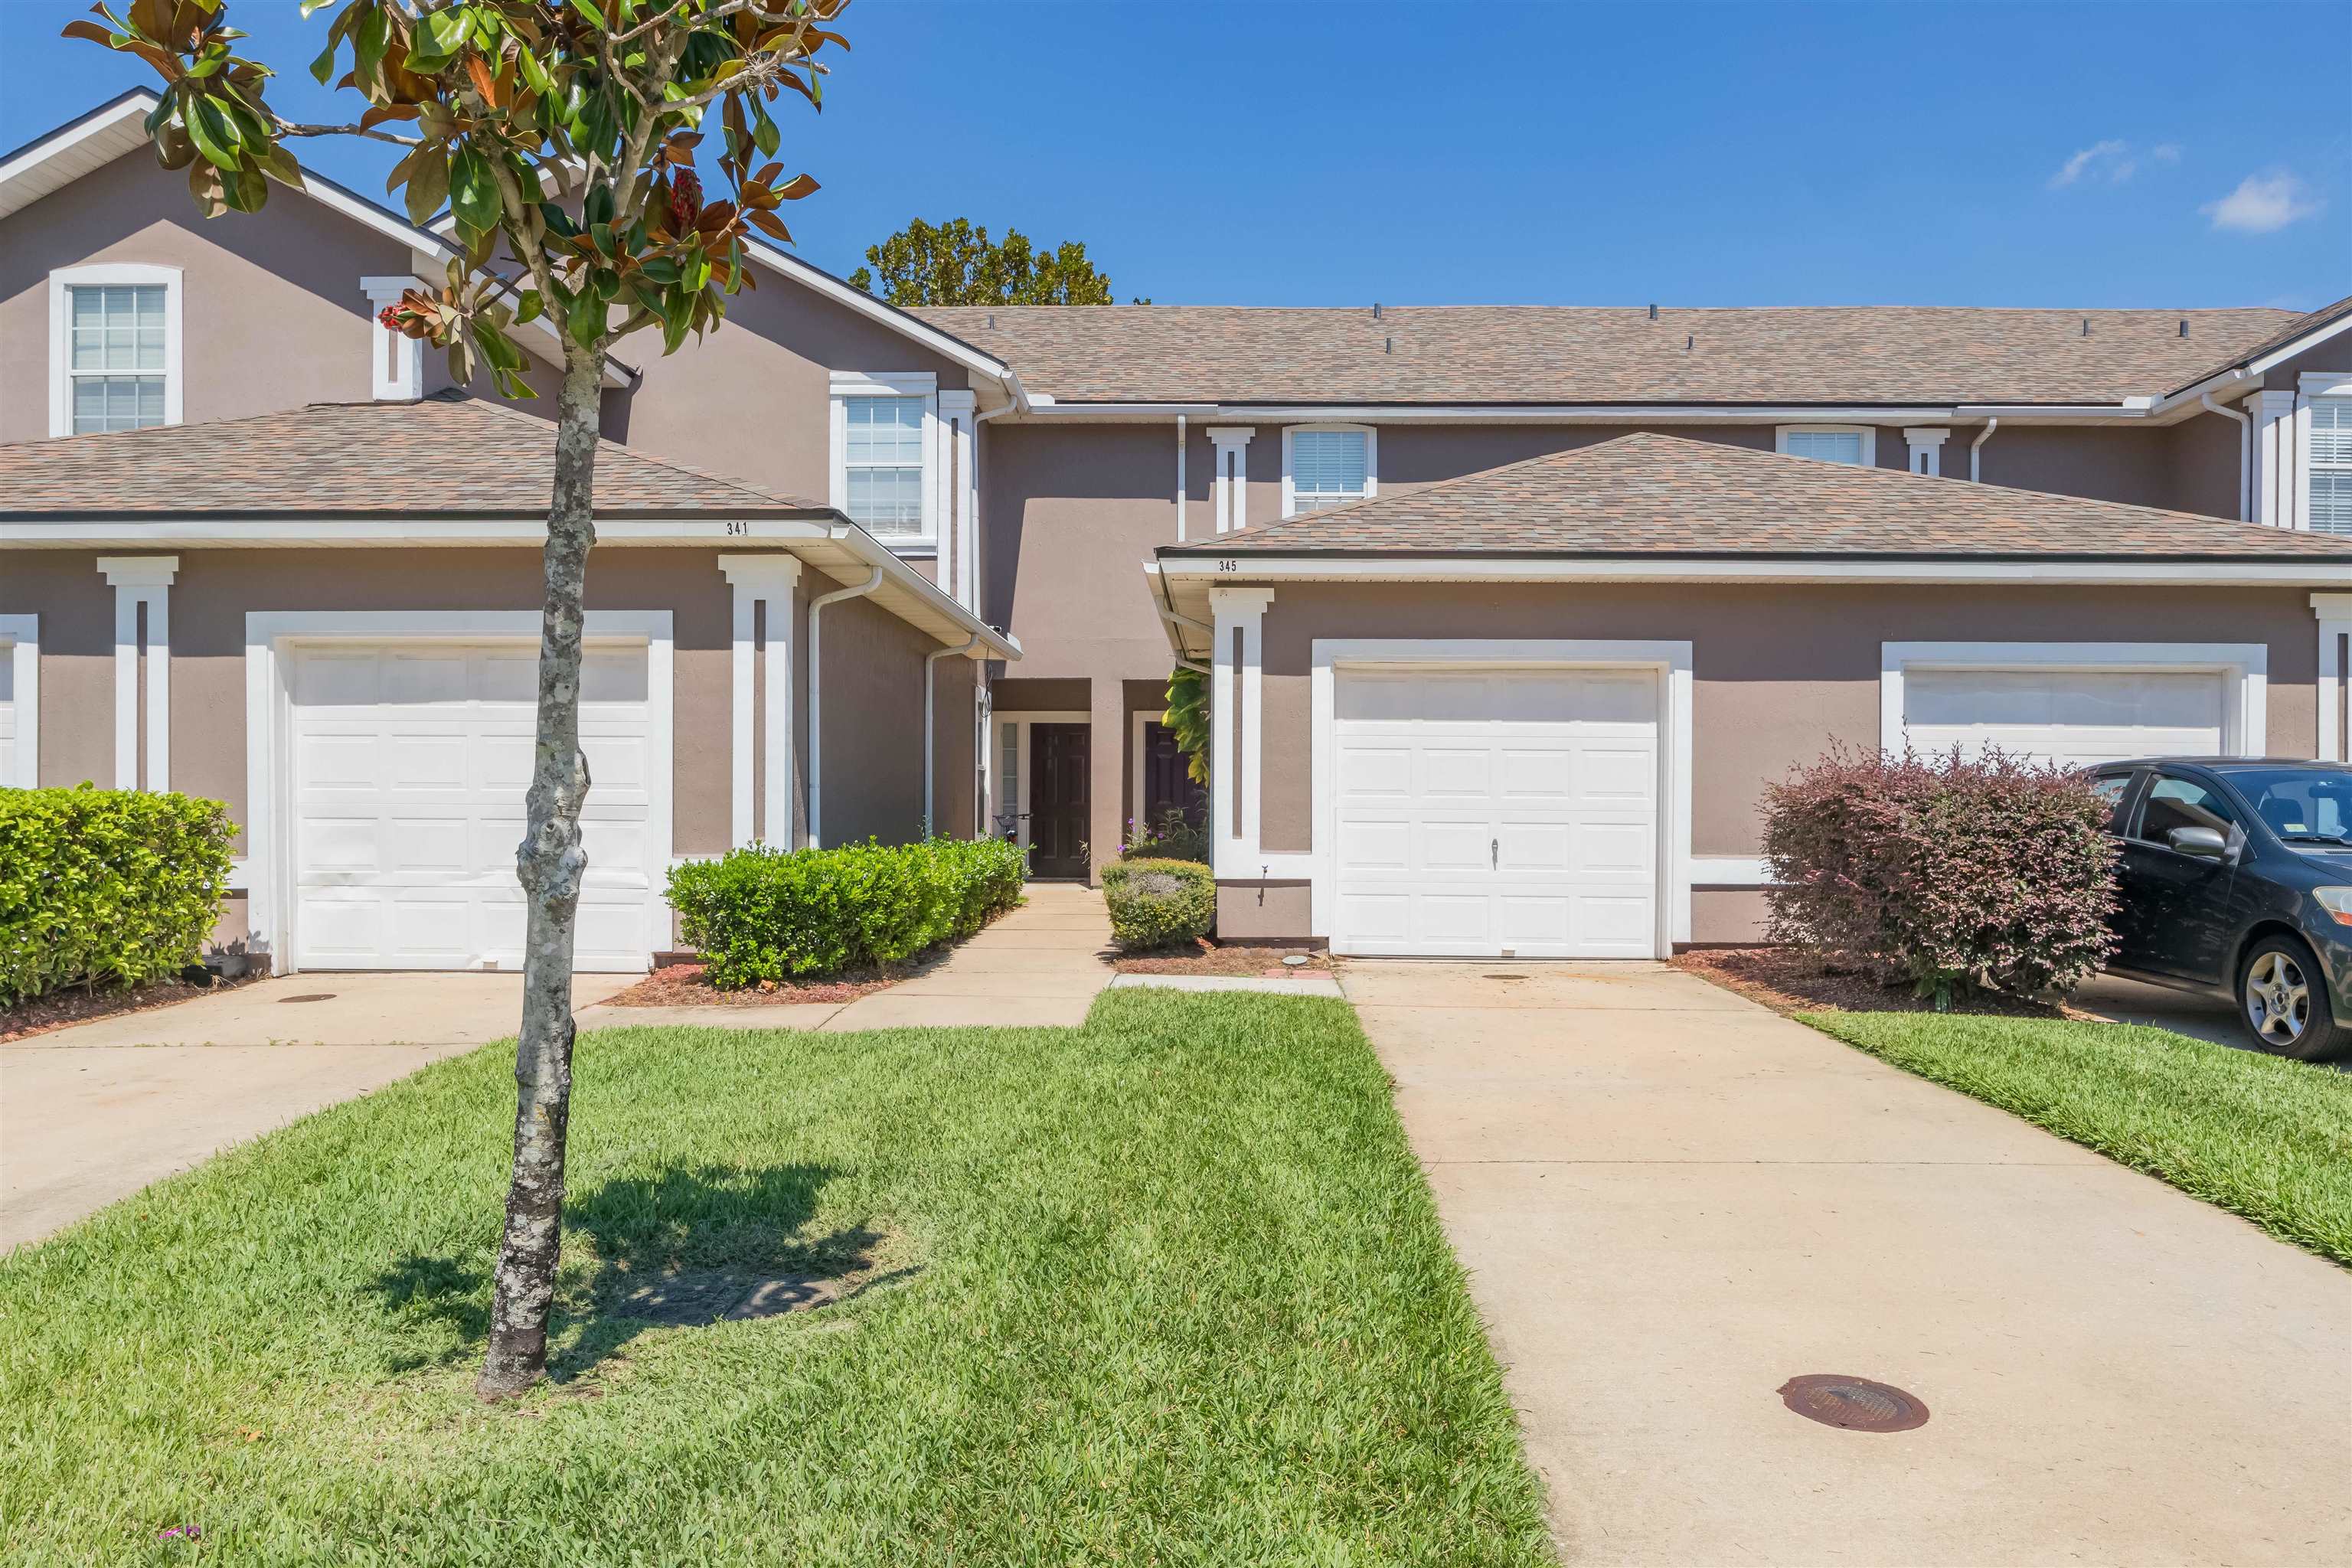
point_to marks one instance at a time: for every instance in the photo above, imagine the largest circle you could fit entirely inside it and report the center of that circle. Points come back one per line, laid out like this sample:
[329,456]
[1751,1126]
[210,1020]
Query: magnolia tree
[567,137]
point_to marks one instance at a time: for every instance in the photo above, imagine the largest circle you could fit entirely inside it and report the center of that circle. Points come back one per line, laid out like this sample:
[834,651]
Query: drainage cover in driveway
[1855,1404]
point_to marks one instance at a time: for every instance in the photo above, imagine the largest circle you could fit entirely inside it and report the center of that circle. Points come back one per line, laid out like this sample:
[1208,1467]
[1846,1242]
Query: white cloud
[2074,169]
[2166,152]
[2262,203]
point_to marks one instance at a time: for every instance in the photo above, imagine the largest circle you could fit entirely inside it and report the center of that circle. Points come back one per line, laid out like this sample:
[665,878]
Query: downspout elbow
[1975,448]
[2245,447]
[817,701]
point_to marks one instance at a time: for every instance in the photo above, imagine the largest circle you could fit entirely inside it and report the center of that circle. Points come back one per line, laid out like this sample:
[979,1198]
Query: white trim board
[268,773]
[1021,719]
[99,275]
[1269,567]
[1372,436]
[2244,667]
[20,637]
[1670,659]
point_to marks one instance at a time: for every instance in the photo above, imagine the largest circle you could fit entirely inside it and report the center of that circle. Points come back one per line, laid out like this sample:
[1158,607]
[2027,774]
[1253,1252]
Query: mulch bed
[685,986]
[1231,958]
[1791,979]
[61,1009]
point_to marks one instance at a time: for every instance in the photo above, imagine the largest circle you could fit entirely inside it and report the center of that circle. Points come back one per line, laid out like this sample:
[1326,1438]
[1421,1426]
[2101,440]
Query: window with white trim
[2331,465]
[1326,465]
[1856,443]
[114,348]
[884,437]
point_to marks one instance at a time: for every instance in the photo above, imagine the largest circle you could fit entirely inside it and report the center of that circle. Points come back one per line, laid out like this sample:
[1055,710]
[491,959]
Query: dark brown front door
[1166,785]
[1057,800]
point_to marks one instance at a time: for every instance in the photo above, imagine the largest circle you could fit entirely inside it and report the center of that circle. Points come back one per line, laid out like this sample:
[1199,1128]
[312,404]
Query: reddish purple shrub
[1956,873]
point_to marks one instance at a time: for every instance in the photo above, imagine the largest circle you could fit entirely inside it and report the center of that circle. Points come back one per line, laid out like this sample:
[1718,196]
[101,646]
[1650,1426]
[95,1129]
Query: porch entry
[1058,799]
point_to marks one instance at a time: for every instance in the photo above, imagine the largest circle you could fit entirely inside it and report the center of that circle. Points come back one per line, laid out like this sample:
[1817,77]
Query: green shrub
[765,914]
[1176,835]
[1158,903]
[106,887]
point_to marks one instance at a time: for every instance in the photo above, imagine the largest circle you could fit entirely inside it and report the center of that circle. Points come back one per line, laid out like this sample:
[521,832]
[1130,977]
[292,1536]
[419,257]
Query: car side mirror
[2205,843]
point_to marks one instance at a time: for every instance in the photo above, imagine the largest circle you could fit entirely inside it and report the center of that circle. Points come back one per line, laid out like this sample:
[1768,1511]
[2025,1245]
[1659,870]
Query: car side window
[2174,802]
[2116,790]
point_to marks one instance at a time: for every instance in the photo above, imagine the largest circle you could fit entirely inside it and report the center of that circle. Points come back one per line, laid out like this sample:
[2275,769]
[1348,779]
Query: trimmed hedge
[1158,903]
[106,887]
[759,914]
[1952,872]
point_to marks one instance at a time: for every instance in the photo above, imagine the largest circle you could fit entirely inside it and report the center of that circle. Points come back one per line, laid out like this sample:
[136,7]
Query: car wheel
[2282,1001]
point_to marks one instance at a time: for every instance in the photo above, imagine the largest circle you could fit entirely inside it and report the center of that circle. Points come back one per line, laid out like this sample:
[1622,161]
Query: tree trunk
[549,863]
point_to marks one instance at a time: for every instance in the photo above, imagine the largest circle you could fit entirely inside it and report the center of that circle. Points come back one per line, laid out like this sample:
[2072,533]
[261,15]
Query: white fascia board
[1202,570]
[872,552]
[105,135]
[1496,414]
[2302,344]
[317,532]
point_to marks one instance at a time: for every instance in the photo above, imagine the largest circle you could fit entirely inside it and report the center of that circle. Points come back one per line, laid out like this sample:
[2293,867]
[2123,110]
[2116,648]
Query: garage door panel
[2073,718]
[411,765]
[1524,821]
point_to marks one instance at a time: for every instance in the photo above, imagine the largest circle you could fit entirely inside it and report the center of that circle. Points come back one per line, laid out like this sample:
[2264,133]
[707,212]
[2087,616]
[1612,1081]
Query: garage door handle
[1494,854]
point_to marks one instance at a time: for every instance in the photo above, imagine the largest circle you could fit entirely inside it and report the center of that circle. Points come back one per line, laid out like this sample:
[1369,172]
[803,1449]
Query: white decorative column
[1237,728]
[1927,444]
[959,500]
[1229,482]
[2333,612]
[754,581]
[141,580]
[395,363]
[2276,472]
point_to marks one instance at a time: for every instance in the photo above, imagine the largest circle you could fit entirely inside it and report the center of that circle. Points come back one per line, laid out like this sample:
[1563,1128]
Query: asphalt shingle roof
[1648,494]
[449,455]
[2326,315]
[1499,354]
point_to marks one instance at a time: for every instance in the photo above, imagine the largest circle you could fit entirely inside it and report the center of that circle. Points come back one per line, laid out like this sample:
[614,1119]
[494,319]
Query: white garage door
[410,763]
[2072,717]
[7,716]
[1496,812]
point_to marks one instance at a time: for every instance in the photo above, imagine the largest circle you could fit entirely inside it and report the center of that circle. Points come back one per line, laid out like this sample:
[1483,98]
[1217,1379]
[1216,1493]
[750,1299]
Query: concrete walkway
[1671,1201]
[1041,965]
[94,1112]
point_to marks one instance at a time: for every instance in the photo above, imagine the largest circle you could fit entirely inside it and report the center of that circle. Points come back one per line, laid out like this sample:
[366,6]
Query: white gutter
[1174,623]
[816,698]
[931,717]
[2279,568]
[2245,449]
[1976,462]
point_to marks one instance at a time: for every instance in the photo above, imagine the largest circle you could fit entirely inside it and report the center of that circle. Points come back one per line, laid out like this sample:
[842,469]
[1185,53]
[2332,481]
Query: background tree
[563,135]
[955,264]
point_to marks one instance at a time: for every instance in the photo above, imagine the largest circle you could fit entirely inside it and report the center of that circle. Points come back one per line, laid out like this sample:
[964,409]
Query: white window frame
[1019,720]
[271,638]
[1371,461]
[2243,666]
[20,640]
[1869,434]
[2315,384]
[1670,660]
[100,275]
[924,385]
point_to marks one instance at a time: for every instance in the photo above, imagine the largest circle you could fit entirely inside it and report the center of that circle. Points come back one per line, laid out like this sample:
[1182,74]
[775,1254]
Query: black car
[2235,878]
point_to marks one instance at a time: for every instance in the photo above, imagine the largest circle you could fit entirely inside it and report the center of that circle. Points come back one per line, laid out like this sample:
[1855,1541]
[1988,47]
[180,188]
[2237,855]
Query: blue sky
[2102,155]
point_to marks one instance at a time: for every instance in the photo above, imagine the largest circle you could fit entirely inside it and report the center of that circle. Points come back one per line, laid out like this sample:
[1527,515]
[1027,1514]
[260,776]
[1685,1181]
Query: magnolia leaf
[380,113]
[768,224]
[324,66]
[486,84]
[429,182]
[280,166]
[473,191]
[209,128]
[533,303]
[800,185]
[89,30]
[204,185]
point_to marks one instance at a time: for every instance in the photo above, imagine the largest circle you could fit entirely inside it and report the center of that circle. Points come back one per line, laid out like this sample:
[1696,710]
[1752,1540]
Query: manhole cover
[311,996]
[1855,1404]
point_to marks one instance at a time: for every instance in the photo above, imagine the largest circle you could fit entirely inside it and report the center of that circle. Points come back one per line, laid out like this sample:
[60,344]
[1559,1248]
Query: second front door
[1057,800]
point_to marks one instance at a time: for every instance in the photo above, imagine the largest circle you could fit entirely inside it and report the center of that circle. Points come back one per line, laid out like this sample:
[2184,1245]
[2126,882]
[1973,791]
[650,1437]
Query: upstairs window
[1856,444]
[1326,465]
[114,349]
[2331,465]
[883,438]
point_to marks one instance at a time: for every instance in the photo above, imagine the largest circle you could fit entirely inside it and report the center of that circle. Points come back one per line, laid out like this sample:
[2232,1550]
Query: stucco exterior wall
[271,310]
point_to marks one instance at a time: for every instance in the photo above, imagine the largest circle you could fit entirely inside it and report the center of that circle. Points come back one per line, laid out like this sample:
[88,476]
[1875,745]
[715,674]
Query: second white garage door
[410,763]
[1505,813]
[2076,718]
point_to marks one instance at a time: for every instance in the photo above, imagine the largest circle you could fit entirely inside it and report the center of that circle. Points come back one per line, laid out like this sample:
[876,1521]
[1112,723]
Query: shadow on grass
[676,1249]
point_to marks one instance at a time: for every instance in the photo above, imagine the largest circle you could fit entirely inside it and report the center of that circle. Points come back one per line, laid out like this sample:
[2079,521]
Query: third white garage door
[2077,717]
[1495,813]
[410,763]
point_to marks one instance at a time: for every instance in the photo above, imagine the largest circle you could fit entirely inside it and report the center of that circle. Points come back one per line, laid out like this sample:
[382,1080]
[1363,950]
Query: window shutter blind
[1825,445]
[1327,468]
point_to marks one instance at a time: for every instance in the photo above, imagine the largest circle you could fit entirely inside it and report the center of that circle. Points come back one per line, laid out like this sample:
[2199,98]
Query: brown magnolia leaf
[767,176]
[90,31]
[484,83]
[204,185]
[799,186]
[382,113]
[715,217]
[767,223]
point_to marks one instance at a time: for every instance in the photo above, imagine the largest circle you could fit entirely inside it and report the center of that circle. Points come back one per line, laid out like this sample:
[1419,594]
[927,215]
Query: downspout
[1180,478]
[1976,464]
[931,717]
[2245,450]
[816,700]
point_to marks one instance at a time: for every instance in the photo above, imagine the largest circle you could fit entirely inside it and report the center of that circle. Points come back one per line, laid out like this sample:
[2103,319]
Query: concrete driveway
[92,1114]
[1671,1201]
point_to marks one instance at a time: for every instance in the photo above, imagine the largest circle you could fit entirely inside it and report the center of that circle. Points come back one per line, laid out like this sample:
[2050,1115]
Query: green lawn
[1168,1288]
[2262,1136]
